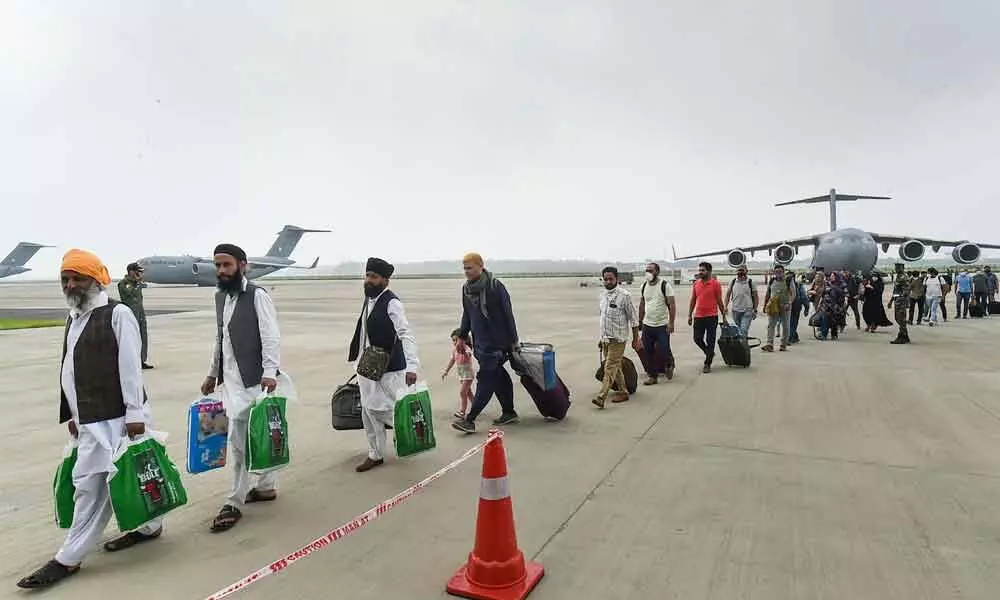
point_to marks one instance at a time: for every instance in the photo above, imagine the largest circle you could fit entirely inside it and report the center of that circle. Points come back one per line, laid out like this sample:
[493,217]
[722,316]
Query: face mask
[372,290]
[649,276]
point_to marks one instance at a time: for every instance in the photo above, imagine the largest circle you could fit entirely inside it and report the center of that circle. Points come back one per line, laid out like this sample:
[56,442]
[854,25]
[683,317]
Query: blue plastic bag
[539,363]
[208,427]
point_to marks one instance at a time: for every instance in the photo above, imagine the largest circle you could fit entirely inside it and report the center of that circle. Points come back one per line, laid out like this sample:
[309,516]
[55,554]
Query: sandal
[50,573]
[226,519]
[130,539]
[256,495]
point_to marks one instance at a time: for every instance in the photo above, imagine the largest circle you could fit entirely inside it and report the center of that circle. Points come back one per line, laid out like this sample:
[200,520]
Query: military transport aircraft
[849,249]
[194,270]
[18,257]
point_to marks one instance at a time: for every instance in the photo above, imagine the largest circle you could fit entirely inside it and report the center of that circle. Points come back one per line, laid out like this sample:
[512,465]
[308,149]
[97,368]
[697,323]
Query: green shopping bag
[146,484]
[267,435]
[63,489]
[413,423]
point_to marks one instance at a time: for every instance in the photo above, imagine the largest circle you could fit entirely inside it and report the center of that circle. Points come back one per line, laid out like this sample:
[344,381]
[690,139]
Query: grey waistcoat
[244,334]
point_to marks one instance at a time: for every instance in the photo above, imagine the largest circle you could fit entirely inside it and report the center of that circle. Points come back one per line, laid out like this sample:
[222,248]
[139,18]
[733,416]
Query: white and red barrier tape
[358,522]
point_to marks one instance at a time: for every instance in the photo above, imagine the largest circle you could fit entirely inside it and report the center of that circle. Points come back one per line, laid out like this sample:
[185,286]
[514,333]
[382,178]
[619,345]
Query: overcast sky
[521,129]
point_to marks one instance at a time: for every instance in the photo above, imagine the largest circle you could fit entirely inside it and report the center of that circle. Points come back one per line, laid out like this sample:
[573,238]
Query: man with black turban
[245,362]
[382,325]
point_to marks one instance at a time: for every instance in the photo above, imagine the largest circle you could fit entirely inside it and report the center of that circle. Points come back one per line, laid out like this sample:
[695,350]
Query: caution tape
[321,543]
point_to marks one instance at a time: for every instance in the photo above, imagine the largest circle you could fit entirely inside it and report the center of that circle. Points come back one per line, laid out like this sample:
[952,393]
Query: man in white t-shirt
[742,300]
[934,295]
[657,310]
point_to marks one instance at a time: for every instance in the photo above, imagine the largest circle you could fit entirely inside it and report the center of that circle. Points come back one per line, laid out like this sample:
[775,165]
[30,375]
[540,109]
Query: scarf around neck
[476,291]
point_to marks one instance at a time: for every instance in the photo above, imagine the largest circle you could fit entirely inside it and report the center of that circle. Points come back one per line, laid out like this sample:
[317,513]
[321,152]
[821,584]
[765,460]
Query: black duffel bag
[346,406]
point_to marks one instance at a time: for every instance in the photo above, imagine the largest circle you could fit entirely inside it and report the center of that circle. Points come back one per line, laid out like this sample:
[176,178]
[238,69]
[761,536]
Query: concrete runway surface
[839,470]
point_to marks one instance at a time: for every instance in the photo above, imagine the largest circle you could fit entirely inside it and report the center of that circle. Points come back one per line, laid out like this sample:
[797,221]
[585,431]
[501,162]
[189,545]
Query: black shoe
[508,419]
[147,366]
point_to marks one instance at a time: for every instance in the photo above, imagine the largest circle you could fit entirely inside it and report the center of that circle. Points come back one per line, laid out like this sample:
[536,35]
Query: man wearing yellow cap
[488,315]
[102,400]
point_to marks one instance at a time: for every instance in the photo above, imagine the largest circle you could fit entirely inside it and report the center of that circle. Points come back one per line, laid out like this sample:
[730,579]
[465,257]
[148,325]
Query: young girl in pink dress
[461,357]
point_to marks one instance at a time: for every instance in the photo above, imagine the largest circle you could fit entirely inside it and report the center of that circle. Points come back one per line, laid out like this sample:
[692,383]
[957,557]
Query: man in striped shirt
[618,318]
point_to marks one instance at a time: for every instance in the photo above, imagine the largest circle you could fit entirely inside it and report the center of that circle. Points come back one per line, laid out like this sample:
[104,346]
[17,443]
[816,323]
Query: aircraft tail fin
[288,238]
[21,254]
[832,199]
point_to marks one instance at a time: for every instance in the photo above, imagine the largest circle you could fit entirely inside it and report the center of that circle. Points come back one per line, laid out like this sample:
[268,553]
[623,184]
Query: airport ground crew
[901,299]
[130,293]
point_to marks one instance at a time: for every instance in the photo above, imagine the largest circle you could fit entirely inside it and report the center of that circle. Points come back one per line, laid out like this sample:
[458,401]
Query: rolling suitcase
[628,370]
[735,347]
[552,404]
[994,308]
[346,406]
[976,310]
[660,359]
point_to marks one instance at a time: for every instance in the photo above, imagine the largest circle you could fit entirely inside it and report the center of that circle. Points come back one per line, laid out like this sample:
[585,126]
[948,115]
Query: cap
[134,267]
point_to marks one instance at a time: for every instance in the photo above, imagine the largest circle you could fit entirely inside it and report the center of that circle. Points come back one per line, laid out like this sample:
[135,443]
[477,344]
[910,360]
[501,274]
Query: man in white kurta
[235,395]
[378,398]
[84,278]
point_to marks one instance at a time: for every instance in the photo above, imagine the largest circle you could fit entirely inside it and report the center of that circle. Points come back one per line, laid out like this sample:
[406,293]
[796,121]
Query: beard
[372,290]
[78,299]
[230,283]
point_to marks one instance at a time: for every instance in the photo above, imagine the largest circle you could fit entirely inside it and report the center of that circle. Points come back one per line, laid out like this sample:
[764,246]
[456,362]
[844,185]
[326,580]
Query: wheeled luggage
[735,347]
[628,371]
[345,406]
[552,404]
[539,360]
[976,310]
[994,308]
[659,358]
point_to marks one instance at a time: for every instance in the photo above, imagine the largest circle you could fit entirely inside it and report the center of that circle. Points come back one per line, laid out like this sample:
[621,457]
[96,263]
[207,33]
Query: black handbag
[373,361]
[346,406]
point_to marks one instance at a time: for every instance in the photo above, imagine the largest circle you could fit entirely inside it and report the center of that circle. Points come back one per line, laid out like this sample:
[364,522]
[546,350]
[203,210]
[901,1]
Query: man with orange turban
[488,315]
[102,400]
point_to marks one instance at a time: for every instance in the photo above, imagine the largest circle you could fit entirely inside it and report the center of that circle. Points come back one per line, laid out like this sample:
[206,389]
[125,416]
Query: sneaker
[464,425]
[598,401]
[670,373]
[507,419]
[650,381]
[767,348]
[459,415]
[706,369]
[783,348]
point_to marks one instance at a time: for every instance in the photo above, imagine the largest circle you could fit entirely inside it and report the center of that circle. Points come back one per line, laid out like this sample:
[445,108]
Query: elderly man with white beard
[102,400]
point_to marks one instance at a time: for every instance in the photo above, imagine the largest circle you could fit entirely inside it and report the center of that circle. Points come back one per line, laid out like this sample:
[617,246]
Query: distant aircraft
[18,257]
[194,270]
[849,249]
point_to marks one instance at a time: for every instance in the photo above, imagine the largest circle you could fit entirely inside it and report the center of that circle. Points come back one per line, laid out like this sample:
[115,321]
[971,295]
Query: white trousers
[236,458]
[375,422]
[91,513]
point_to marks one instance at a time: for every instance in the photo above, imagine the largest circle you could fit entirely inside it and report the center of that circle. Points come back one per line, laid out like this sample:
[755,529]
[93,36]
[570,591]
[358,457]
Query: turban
[379,267]
[473,257]
[86,263]
[232,250]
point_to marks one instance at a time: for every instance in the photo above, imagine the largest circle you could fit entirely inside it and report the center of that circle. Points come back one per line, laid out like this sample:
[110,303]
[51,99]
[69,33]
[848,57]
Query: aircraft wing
[811,240]
[881,238]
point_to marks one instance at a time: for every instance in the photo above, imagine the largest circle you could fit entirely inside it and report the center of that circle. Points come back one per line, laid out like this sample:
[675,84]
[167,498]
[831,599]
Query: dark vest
[95,367]
[381,333]
[244,334]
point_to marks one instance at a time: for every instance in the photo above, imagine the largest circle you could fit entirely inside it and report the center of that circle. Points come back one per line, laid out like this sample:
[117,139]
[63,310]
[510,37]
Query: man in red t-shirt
[703,313]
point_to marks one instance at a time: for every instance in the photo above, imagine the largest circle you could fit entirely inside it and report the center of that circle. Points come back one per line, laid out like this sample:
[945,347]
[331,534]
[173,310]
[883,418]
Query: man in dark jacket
[488,315]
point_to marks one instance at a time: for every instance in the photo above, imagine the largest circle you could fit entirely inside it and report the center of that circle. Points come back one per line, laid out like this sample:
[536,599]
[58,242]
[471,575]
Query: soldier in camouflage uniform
[901,300]
[130,293]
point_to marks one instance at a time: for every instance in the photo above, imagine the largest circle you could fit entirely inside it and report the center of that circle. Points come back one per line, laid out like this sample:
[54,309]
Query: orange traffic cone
[496,569]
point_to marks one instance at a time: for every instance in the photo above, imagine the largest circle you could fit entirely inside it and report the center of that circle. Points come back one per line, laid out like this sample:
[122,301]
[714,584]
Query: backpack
[749,282]
[663,289]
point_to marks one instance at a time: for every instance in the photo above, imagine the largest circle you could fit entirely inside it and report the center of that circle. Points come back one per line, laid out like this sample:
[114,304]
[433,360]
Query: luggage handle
[753,345]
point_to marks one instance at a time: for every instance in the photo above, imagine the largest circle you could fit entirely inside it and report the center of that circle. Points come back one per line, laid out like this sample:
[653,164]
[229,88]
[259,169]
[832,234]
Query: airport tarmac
[838,470]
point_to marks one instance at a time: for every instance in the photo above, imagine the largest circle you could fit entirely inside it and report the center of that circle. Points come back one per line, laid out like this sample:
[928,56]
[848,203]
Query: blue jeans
[743,319]
[493,378]
[657,336]
[932,309]
[793,323]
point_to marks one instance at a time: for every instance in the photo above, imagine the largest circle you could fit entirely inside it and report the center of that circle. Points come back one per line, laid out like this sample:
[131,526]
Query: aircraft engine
[966,253]
[784,254]
[204,274]
[911,250]
[737,258]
